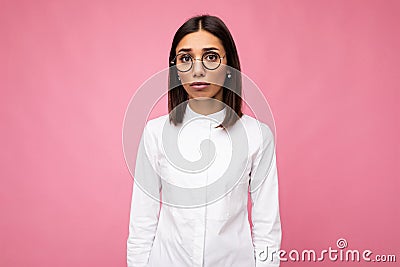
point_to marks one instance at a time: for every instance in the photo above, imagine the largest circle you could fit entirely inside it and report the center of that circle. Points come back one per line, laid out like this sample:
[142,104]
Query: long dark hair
[232,96]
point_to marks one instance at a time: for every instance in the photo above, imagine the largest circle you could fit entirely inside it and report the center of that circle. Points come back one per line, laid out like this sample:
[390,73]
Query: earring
[229,75]
[179,78]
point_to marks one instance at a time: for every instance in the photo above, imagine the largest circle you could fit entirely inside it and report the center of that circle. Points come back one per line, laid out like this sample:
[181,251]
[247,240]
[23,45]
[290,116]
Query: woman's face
[196,44]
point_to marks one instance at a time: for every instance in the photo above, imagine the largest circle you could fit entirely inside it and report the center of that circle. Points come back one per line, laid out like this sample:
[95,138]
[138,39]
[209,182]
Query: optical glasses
[184,61]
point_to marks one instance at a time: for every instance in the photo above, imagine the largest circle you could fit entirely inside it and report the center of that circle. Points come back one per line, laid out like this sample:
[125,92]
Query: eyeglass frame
[202,62]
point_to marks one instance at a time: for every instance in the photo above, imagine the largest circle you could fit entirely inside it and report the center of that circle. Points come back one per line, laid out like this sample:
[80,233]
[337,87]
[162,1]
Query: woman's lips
[199,86]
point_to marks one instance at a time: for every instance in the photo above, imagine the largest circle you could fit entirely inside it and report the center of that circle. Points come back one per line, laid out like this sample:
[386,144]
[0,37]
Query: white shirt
[184,232]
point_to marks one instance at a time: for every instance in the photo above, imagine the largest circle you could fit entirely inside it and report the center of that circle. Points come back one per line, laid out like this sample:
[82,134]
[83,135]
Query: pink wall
[330,70]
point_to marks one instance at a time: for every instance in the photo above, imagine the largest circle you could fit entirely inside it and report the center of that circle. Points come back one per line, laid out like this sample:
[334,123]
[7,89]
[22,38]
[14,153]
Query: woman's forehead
[197,42]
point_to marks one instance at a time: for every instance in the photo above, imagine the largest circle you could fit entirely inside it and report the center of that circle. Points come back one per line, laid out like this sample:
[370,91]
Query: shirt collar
[216,117]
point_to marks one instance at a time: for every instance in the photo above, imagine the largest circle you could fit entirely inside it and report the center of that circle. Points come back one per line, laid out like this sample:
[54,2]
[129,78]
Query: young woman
[202,160]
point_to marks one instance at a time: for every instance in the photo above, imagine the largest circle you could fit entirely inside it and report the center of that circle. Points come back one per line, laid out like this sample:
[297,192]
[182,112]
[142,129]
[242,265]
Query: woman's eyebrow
[204,49]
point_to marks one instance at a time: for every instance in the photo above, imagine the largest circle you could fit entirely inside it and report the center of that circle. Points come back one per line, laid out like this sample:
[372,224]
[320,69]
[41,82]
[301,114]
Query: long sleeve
[266,230]
[145,205]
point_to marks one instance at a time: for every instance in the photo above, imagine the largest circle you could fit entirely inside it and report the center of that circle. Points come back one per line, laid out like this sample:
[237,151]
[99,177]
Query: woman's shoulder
[154,125]
[256,128]
[251,122]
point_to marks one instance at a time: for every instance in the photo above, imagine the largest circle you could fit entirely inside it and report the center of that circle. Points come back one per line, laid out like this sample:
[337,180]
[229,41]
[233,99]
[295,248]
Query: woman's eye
[184,58]
[211,57]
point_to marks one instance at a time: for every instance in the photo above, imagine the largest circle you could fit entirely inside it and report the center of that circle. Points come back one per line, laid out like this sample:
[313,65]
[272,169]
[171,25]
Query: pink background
[329,69]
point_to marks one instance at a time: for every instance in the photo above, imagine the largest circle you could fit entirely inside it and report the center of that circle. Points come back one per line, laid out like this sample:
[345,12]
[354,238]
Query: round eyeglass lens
[211,61]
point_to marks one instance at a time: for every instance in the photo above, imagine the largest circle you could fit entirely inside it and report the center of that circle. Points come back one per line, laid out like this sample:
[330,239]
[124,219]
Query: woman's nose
[198,68]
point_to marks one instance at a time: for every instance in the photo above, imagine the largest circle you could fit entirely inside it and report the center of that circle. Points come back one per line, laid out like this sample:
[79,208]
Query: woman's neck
[205,106]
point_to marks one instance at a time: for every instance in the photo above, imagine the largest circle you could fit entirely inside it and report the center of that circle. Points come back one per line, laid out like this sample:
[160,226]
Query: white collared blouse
[199,225]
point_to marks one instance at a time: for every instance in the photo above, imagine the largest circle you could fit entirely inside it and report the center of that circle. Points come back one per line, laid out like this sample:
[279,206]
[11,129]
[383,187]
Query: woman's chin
[202,97]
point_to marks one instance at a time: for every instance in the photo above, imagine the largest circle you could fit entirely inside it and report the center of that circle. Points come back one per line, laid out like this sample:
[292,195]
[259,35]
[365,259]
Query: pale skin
[208,100]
